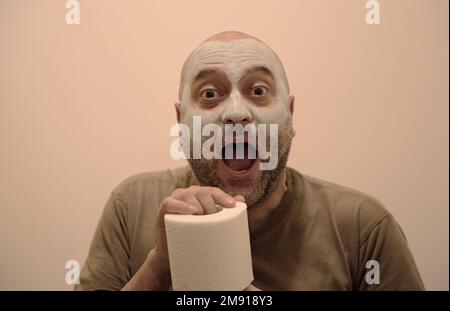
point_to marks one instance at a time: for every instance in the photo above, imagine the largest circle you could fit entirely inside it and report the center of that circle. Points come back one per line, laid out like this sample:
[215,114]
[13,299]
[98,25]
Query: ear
[291,103]
[178,111]
[291,109]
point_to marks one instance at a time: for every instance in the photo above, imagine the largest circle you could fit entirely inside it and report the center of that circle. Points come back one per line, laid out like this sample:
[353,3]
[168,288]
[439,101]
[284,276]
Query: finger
[189,197]
[207,202]
[240,198]
[221,198]
[172,206]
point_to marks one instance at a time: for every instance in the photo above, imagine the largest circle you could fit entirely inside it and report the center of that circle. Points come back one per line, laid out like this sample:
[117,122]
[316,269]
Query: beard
[206,172]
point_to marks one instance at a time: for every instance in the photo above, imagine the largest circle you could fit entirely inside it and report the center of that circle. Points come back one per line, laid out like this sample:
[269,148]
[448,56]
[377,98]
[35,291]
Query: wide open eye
[209,94]
[258,91]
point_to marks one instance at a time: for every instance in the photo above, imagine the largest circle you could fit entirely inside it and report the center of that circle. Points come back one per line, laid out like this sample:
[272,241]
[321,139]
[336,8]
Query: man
[306,234]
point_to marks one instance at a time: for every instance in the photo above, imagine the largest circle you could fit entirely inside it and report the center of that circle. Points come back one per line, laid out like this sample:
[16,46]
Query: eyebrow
[204,73]
[262,69]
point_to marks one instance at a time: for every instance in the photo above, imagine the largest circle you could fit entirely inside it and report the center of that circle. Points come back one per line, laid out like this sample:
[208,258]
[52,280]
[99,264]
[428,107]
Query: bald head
[228,36]
[232,47]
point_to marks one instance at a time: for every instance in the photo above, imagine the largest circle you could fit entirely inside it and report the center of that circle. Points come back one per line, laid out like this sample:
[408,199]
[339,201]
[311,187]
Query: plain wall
[84,106]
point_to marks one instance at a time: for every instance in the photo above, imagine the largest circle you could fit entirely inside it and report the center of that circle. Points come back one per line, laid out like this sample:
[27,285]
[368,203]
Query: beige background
[84,106]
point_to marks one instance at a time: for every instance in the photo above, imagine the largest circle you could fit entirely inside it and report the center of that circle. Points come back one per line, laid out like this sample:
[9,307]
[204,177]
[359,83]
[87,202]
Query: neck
[258,213]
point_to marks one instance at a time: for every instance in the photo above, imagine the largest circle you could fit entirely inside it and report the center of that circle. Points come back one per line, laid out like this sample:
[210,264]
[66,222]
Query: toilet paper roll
[210,252]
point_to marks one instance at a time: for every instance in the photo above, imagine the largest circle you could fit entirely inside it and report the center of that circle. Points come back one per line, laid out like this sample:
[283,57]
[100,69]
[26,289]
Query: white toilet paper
[210,252]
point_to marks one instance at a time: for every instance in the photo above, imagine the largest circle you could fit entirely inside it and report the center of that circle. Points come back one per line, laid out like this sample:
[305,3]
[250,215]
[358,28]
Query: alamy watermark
[73,275]
[373,12]
[373,275]
[372,16]
[250,141]
[73,13]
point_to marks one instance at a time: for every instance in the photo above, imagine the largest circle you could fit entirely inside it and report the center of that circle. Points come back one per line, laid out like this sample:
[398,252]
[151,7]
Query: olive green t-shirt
[322,236]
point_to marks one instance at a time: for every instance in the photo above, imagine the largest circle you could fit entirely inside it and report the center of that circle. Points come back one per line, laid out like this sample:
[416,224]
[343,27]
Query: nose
[236,111]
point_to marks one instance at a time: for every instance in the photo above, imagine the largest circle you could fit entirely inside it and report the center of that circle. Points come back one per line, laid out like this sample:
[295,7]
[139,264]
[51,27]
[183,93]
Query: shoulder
[152,183]
[348,206]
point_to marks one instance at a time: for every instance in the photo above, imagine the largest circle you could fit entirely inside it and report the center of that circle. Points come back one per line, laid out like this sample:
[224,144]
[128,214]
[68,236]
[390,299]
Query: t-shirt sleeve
[107,264]
[385,261]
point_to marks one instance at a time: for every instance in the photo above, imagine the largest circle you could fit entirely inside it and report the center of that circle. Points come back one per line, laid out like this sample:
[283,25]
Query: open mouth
[239,158]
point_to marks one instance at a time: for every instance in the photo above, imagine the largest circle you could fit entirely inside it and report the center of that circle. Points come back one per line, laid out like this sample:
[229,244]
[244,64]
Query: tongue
[238,164]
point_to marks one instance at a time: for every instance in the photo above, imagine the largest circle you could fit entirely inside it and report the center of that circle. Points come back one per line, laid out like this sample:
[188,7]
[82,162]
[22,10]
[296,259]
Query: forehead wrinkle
[227,52]
[220,58]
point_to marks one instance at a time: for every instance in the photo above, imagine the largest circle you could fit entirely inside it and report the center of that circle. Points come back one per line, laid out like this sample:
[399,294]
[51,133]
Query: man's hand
[251,288]
[154,274]
[194,200]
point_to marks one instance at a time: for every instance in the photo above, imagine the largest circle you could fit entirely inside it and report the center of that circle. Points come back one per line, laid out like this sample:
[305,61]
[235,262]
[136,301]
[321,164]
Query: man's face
[237,82]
